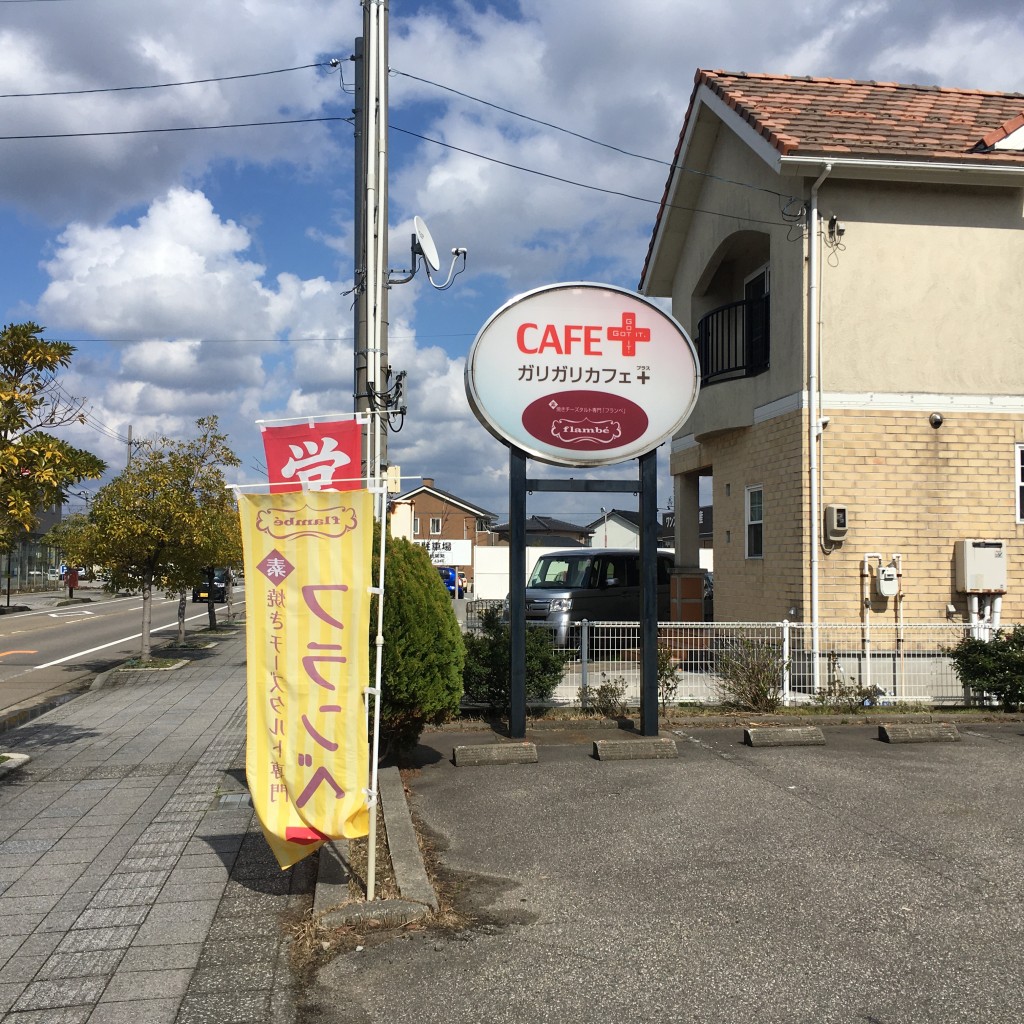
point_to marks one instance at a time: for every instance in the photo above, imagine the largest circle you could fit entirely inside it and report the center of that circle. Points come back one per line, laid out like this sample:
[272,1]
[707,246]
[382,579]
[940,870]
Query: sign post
[582,375]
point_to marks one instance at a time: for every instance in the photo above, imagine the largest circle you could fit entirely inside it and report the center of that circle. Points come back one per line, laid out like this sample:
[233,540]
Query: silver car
[599,584]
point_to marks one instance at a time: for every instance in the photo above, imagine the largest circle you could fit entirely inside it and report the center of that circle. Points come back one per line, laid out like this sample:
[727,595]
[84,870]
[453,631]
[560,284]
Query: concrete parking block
[647,748]
[919,732]
[784,736]
[476,754]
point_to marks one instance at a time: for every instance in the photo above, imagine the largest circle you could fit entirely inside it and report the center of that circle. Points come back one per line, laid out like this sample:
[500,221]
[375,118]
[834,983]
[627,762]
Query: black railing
[733,341]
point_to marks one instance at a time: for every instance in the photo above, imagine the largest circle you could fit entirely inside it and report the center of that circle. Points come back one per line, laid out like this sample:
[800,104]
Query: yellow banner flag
[307,574]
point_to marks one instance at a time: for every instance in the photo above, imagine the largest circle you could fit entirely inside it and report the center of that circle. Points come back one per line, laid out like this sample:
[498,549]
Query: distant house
[847,258]
[619,528]
[450,527]
[543,531]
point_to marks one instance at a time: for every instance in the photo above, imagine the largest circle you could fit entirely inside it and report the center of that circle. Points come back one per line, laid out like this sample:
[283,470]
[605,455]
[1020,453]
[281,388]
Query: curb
[418,899]
[13,762]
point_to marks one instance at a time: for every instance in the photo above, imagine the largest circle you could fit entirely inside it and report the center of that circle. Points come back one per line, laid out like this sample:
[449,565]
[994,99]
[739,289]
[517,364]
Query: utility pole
[371,225]
[129,462]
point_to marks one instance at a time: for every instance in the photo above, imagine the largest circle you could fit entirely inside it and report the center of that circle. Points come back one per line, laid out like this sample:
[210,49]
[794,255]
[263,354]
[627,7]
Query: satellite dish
[426,244]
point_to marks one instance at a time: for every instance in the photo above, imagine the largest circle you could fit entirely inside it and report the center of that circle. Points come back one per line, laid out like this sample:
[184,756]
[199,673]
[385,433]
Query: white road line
[113,643]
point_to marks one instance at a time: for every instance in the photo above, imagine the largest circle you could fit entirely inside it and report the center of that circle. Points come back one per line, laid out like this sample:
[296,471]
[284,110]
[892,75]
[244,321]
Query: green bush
[487,676]
[423,653]
[608,699]
[750,674]
[993,666]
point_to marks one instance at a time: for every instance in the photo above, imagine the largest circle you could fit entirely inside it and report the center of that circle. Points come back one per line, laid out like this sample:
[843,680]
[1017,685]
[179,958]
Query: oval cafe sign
[582,374]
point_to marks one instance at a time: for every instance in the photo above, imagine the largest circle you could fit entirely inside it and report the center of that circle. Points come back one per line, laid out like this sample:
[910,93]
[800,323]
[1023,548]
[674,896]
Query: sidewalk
[135,885]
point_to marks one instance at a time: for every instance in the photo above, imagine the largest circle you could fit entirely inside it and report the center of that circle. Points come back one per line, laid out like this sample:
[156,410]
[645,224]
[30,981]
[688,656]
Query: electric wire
[158,85]
[590,139]
[155,131]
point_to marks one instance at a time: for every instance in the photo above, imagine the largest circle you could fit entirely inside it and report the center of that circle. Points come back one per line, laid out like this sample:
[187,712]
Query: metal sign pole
[517,592]
[649,594]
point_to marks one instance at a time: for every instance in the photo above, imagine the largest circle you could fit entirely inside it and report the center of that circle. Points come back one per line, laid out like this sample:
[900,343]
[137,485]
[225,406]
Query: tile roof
[843,118]
[833,116]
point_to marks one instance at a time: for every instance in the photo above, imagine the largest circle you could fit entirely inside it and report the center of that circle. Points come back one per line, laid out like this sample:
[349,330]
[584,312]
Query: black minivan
[201,593]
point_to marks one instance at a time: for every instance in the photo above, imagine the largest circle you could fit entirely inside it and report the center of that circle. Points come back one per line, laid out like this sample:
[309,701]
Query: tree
[35,466]
[159,523]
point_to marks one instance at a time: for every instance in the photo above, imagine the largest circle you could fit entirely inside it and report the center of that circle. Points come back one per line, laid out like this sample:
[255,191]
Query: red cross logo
[629,334]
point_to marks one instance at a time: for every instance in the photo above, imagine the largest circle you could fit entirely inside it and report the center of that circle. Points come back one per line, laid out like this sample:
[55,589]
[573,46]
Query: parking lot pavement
[853,882]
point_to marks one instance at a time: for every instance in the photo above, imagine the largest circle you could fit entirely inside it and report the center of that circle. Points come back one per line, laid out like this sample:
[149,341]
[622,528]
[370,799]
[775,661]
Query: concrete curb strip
[475,754]
[784,736]
[635,750]
[12,762]
[418,898]
[924,732]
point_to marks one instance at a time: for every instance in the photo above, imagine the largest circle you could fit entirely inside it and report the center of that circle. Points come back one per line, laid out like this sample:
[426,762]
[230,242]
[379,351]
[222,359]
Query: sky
[199,268]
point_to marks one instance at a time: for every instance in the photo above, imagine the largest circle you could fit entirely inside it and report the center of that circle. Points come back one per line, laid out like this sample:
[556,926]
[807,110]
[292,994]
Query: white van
[598,584]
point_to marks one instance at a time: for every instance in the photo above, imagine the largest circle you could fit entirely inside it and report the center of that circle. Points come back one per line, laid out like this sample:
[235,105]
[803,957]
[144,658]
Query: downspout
[814,414]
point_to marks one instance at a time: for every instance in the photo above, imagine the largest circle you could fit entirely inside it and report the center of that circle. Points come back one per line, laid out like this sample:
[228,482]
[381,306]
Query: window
[755,522]
[435,525]
[415,526]
[1020,483]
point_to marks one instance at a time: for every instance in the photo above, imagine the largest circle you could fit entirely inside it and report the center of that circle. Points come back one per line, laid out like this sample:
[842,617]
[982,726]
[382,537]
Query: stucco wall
[926,293]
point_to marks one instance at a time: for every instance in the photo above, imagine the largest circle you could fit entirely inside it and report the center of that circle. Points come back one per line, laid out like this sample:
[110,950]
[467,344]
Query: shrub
[668,677]
[750,674]
[423,653]
[608,699]
[486,678]
[993,666]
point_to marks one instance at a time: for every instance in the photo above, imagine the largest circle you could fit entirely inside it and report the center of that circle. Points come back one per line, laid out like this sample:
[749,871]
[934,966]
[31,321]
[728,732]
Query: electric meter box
[836,523]
[980,566]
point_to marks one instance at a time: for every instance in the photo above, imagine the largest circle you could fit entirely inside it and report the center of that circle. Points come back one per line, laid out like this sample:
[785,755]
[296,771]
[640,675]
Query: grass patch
[134,664]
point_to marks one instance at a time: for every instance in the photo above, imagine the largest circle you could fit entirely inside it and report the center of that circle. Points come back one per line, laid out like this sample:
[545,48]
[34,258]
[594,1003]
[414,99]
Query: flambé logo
[282,524]
[585,421]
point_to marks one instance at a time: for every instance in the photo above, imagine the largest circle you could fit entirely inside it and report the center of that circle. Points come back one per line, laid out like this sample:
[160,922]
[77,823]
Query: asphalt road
[855,883]
[58,648]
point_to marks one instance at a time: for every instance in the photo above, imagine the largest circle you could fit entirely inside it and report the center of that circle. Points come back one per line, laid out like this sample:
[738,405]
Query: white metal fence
[891,663]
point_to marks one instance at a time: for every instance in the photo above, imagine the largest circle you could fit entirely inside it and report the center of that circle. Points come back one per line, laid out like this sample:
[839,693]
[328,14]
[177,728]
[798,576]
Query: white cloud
[186,246]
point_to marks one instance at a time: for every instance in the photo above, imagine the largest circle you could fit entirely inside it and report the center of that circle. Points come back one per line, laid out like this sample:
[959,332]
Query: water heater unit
[980,566]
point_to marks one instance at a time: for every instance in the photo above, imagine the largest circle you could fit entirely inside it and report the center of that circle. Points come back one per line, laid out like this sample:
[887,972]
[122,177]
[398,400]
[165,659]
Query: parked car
[599,584]
[450,578]
[201,593]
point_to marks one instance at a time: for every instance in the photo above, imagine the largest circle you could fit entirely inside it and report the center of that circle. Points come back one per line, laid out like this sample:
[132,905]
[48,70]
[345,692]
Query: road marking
[92,650]
[71,611]
[3,654]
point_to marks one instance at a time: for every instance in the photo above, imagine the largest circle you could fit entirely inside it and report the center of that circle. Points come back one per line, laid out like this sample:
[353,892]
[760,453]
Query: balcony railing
[733,341]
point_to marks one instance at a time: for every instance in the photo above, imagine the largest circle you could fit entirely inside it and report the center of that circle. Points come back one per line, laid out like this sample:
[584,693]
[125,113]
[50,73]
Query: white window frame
[749,521]
[435,526]
[415,526]
[1020,482]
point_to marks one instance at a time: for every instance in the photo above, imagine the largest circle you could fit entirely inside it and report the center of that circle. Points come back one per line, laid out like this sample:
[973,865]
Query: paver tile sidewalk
[134,883]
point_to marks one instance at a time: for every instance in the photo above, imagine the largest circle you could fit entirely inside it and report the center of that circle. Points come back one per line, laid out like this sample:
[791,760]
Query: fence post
[785,662]
[584,657]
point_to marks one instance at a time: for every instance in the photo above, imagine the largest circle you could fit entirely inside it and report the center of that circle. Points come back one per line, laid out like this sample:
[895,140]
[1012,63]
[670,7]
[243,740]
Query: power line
[153,131]
[587,138]
[579,184]
[160,85]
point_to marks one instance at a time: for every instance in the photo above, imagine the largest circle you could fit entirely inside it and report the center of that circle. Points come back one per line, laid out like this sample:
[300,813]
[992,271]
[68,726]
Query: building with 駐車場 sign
[449,527]
[846,257]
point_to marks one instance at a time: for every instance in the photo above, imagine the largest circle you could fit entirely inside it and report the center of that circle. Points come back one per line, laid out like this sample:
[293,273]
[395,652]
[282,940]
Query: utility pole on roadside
[371,232]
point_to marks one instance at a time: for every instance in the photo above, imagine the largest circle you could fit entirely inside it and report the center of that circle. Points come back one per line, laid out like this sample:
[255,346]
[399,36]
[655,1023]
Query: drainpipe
[814,413]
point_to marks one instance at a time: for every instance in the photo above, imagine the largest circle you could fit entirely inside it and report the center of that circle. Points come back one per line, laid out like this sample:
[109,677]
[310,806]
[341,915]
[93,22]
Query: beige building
[848,259]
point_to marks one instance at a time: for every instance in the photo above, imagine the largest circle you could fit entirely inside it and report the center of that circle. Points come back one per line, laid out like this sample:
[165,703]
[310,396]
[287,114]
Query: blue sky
[206,270]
